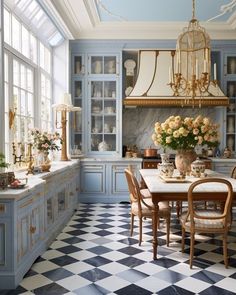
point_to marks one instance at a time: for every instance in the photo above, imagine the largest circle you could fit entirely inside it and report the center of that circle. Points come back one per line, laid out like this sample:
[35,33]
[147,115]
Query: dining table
[175,188]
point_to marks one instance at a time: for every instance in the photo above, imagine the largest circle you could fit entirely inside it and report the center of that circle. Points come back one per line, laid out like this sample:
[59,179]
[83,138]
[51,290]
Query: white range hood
[152,89]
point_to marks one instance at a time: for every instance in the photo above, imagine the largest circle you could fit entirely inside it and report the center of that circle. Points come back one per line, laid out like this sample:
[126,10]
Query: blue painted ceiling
[162,10]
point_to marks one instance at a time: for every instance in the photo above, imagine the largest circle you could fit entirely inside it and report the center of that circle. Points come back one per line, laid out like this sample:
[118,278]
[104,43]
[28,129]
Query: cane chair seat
[147,206]
[142,206]
[201,224]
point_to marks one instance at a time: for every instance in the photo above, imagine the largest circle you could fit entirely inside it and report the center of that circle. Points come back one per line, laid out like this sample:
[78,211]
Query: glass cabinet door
[231,64]
[78,66]
[103,65]
[230,74]
[230,115]
[77,117]
[103,102]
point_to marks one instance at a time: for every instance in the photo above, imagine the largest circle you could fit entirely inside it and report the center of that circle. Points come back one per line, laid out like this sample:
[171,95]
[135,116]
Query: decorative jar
[198,167]
[165,167]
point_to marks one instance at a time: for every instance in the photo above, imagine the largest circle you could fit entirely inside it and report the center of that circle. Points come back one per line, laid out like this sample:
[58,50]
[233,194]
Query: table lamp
[64,107]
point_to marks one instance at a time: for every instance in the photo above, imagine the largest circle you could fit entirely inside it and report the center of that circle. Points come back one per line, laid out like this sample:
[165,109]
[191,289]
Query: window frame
[34,64]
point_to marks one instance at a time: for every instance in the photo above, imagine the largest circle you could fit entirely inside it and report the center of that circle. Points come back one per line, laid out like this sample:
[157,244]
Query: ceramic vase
[183,160]
[165,167]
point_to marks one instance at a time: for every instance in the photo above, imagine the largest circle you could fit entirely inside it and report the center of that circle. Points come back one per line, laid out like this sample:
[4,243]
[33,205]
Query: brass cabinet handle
[32,229]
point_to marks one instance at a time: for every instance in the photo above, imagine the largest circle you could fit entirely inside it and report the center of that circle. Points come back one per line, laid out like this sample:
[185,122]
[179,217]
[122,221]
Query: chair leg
[225,250]
[183,238]
[191,250]
[140,230]
[178,208]
[168,231]
[132,224]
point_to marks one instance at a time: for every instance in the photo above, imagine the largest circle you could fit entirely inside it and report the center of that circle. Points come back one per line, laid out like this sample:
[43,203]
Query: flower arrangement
[45,141]
[185,133]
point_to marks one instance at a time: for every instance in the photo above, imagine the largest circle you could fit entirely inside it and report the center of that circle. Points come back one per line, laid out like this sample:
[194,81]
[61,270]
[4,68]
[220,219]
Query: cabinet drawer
[150,165]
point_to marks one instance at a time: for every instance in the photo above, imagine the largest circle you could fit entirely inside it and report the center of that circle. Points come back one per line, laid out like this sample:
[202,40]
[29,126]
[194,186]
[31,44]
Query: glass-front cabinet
[103,100]
[103,115]
[96,89]
[230,80]
[77,90]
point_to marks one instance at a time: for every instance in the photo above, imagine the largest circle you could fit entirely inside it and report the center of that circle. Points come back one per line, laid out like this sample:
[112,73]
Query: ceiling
[143,19]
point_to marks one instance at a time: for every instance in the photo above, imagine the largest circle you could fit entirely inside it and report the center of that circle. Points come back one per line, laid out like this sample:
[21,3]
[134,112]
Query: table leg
[154,230]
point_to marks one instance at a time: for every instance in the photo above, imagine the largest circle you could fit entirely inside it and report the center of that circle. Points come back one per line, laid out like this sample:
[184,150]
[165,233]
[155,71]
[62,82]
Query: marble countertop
[111,159]
[229,160]
[35,180]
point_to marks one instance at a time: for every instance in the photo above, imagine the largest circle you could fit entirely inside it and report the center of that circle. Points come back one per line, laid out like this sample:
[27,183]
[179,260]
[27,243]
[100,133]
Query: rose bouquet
[179,133]
[44,141]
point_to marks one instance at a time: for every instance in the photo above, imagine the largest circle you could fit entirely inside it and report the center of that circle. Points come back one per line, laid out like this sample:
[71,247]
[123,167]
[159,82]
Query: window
[28,80]
[46,120]
[23,94]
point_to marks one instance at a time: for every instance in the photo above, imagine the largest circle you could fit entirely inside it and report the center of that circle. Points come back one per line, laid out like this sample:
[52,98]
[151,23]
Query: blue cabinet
[230,88]
[96,87]
[106,182]
[93,178]
[29,224]
[31,218]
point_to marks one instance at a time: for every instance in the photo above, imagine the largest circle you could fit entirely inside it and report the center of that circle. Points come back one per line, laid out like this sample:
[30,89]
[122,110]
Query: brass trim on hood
[176,102]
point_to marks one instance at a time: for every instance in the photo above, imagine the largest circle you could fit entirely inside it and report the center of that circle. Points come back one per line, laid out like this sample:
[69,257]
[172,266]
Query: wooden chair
[233,175]
[142,206]
[207,221]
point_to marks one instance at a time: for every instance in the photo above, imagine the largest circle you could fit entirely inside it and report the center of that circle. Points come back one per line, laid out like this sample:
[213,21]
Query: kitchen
[100,70]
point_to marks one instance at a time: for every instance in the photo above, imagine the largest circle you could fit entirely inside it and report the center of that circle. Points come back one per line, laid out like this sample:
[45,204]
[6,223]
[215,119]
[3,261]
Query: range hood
[152,89]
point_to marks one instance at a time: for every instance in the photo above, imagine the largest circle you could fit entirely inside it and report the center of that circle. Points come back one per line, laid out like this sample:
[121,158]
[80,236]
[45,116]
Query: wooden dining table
[176,189]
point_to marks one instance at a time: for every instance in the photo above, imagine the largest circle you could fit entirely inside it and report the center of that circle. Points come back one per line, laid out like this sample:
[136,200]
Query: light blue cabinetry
[21,232]
[230,88]
[29,223]
[31,218]
[6,227]
[104,180]
[93,178]
[97,89]
[61,191]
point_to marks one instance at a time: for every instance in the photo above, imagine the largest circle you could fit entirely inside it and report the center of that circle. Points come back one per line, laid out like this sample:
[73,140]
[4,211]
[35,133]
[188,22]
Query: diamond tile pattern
[95,254]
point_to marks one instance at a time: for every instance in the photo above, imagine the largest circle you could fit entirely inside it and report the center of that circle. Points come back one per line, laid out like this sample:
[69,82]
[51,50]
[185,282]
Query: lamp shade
[65,103]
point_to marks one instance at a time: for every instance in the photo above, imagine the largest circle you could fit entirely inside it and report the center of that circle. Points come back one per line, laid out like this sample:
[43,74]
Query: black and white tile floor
[95,255]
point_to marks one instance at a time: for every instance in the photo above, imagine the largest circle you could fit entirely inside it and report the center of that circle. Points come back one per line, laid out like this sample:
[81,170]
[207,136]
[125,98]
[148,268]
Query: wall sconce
[64,107]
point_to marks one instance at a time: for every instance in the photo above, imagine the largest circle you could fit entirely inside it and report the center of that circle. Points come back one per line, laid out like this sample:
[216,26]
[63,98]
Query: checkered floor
[94,255]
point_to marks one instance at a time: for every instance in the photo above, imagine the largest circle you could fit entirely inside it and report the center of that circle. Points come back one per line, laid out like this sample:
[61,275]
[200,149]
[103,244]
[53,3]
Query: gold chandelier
[190,73]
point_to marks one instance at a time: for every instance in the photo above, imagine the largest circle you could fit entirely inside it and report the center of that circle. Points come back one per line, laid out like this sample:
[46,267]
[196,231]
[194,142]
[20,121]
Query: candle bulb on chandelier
[214,71]
[196,68]
[170,76]
[205,66]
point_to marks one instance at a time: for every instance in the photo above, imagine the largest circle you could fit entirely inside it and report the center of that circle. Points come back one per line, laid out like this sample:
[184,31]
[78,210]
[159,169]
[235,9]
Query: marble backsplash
[138,123]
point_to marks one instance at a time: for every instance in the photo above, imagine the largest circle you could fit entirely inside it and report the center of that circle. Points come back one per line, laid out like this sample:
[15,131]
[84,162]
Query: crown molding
[152,30]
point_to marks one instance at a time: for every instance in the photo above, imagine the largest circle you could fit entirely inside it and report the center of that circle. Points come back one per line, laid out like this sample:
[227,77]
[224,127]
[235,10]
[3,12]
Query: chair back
[233,173]
[225,216]
[133,187]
